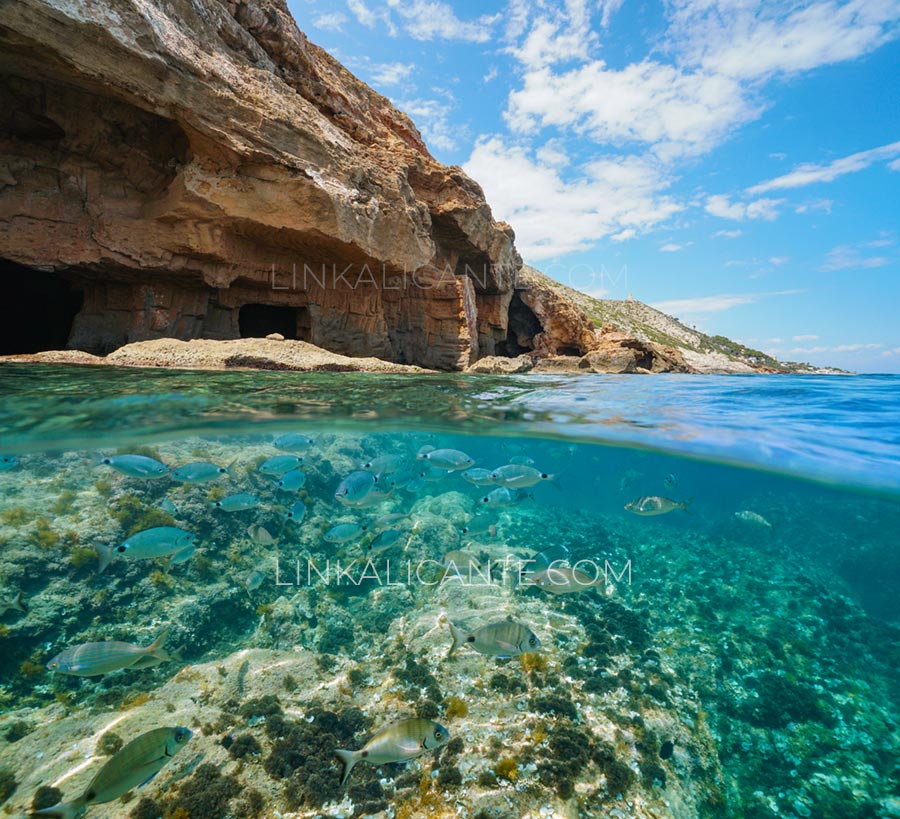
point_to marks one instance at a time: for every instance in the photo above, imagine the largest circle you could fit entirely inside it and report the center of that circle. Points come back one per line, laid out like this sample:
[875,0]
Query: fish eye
[180,736]
[120,549]
[438,734]
[544,475]
[54,664]
[532,641]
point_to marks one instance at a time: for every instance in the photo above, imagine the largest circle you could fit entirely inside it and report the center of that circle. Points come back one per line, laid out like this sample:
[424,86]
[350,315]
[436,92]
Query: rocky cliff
[198,168]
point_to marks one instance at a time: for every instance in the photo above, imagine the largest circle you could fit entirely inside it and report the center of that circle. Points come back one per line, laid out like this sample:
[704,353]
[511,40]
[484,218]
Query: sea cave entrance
[37,310]
[260,320]
[523,326]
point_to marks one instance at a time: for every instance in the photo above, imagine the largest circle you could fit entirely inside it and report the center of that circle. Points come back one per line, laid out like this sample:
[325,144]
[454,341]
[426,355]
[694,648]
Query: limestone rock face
[232,354]
[198,168]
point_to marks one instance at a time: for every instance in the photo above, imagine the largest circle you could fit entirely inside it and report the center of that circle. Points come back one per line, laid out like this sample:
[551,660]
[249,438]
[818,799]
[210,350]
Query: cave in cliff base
[523,327]
[260,320]
[38,309]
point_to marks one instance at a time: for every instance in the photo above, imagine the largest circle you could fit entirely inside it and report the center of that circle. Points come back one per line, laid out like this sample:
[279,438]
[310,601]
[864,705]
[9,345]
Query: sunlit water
[736,658]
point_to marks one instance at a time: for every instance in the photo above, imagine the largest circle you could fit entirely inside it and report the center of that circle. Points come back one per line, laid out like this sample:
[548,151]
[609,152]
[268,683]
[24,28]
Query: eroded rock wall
[176,162]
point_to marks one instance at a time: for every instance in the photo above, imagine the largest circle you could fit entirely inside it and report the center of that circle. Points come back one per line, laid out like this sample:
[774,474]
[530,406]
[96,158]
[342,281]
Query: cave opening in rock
[260,320]
[523,326]
[37,311]
[569,351]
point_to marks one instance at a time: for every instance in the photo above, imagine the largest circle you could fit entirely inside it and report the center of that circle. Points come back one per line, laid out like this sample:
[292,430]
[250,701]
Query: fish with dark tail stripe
[138,762]
[399,742]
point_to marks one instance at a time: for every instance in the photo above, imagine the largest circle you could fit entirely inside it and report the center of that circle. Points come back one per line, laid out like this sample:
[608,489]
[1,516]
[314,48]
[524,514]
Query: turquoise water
[737,657]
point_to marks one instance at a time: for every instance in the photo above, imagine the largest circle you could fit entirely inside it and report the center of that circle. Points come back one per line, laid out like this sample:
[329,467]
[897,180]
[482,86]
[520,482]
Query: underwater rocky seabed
[744,672]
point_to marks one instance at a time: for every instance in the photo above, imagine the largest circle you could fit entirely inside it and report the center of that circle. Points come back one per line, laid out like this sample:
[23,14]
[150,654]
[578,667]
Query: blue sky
[734,163]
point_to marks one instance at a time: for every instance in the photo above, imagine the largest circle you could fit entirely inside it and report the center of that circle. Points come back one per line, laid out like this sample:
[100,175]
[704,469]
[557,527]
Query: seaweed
[303,753]
[264,706]
[8,784]
[449,776]
[455,707]
[17,730]
[204,796]
[109,743]
[554,704]
[134,516]
[336,638]
[46,796]
[244,745]
[427,709]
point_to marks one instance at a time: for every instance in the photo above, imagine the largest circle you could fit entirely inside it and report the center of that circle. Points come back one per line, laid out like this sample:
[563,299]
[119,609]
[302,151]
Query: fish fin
[347,759]
[20,604]
[509,647]
[458,639]
[686,505]
[184,554]
[148,779]
[104,556]
[62,810]
[155,649]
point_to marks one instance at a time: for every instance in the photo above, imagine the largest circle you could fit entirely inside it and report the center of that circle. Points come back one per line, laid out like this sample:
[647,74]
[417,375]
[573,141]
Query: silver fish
[387,521]
[670,481]
[385,464]
[383,541]
[654,505]
[16,604]
[280,465]
[519,476]
[293,442]
[259,534]
[449,459]
[8,462]
[92,659]
[237,503]
[198,472]
[138,762]
[503,497]
[292,481]
[137,466]
[355,487]
[168,507]
[478,476]
[754,518]
[254,580]
[399,742]
[160,541]
[505,638]
[522,459]
[297,512]
[480,525]
[344,532]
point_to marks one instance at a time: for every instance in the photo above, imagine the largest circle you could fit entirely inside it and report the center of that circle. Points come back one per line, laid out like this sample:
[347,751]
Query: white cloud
[806,337]
[756,40]
[392,73]
[492,74]
[809,174]
[727,234]
[777,261]
[362,13]
[823,205]
[721,206]
[624,235]
[432,118]
[715,304]
[895,165]
[847,257]
[650,103]
[552,215]
[778,155]
[890,353]
[436,20]
[840,348]
[670,247]
[330,22]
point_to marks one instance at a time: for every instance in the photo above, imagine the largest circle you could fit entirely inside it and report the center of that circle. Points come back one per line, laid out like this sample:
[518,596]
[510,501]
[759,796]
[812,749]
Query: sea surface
[693,584]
